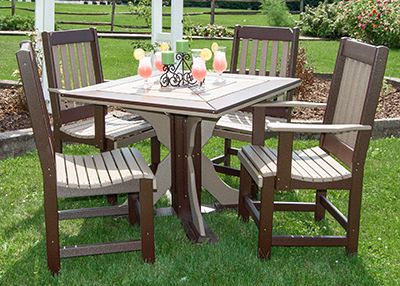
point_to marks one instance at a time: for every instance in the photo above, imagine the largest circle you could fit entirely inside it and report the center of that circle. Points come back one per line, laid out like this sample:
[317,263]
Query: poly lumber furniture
[65,176]
[184,119]
[276,50]
[336,164]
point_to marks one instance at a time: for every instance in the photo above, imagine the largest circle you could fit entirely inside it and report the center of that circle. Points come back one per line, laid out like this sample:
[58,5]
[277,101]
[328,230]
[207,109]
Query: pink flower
[363,26]
[379,13]
[385,29]
[359,17]
[381,23]
[356,33]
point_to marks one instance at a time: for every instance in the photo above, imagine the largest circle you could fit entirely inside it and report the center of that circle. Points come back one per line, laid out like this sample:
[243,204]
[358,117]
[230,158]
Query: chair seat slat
[101,170]
[320,161]
[124,171]
[112,169]
[81,172]
[91,172]
[257,162]
[72,178]
[147,173]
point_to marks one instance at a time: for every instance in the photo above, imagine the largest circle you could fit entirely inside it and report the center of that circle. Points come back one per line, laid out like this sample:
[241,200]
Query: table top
[214,100]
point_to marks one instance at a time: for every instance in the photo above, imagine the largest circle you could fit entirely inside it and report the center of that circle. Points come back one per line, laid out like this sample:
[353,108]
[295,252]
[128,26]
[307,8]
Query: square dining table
[184,119]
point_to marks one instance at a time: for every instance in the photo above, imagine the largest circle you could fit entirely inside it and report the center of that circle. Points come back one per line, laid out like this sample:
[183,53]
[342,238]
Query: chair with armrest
[345,134]
[72,61]
[121,171]
[277,57]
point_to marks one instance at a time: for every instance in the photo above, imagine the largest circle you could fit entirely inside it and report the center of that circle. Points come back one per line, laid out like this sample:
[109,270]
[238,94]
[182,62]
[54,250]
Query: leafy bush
[376,22]
[17,23]
[322,21]
[277,13]
[208,30]
[143,10]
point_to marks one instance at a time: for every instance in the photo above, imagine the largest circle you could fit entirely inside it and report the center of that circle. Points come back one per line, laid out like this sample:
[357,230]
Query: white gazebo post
[44,21]
[176,23]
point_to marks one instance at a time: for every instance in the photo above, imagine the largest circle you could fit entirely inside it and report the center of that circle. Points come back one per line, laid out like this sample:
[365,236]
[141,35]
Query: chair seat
[241,122]
[310,165]
[116,128]
[100,170]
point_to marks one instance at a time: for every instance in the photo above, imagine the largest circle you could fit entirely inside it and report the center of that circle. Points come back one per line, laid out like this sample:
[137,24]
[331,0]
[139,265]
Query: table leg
[185,189]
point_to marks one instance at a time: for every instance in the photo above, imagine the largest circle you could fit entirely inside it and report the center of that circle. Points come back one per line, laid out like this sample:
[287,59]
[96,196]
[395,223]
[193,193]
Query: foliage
[376,22]
[277,13]
[190,29]
[322,21]
[304,71]
[17,23]
[143,10]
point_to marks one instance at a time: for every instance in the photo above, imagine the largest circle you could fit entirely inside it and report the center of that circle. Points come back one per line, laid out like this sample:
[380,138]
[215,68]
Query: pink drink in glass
[145,70]
[219,63]
[157,62]
[199,70]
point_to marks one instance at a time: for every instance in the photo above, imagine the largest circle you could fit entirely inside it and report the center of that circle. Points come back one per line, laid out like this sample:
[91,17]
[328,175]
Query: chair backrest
[277,55]
[72,61]
[353,97]
[37,107]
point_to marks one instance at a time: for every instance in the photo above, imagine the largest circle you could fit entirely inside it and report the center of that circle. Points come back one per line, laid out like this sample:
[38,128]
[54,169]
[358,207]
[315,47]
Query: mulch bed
[13,117]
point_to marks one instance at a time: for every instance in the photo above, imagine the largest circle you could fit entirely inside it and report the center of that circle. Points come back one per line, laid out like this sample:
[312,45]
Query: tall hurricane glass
[199,70]
[145,69]
[220,63]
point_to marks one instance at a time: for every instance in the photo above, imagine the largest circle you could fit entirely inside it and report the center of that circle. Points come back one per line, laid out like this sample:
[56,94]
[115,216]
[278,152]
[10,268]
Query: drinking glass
[157,61]
[145,69]
[220,63]
[199,70]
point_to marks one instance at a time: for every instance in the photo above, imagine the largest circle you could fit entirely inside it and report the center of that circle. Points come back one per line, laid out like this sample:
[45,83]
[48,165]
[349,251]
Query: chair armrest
[316,128]
[56,90]
[293,103]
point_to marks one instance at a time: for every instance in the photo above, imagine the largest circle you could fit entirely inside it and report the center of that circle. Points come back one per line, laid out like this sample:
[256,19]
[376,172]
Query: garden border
[19,142]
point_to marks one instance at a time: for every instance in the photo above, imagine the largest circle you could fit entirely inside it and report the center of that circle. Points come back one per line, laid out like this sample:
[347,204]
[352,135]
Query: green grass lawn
[233,261]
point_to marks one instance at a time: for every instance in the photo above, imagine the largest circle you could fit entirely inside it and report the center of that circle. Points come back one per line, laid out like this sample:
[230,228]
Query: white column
[176,22]
[44,21]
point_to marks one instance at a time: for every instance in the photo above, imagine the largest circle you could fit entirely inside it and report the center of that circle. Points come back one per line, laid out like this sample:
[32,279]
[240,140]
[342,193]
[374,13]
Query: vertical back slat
[65,67]
[82,66]
[58,75]
[253,57]
[74,65]
[284,59]
[263,58]
[352,89]
[243,56]
[274,58]
[89,63]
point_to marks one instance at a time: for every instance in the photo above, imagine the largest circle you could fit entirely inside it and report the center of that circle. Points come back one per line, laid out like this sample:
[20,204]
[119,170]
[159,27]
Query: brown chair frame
[279,37]
[142,187]
[345,133]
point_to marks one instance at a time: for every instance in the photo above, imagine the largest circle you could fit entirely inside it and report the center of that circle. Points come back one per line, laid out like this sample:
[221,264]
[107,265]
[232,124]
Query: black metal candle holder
[172,75]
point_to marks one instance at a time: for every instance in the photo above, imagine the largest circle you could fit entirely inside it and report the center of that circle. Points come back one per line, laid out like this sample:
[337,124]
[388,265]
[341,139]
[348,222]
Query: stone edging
[15,143]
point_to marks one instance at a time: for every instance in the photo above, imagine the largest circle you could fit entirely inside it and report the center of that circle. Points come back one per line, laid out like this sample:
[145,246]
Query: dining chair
[336,164]
[73,60]
[277,57]
[120,171]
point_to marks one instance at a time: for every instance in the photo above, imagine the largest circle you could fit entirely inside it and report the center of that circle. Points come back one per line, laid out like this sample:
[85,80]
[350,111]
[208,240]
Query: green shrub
[376,22]
[322,21]
[143,10]
[17,23]
[277,13]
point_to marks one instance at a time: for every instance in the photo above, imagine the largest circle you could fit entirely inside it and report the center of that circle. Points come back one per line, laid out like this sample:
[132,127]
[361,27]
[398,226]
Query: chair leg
[155,154]
[353,226]
[266,218]
[227,157]
[244,190]
[147,220]
[52,230]
[319,210]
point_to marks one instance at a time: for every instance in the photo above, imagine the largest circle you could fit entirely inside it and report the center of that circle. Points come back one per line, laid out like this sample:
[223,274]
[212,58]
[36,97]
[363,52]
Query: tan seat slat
[91,172]
[128,130]
[310,163]
[101,170]
[257,162]
[248,165]
[111,168]
[132,164]
[267,157]
[72,178]
[304,171]
[320,161]
[332,162]
[81,172]
[124,171]
[61,172]
[147,173]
